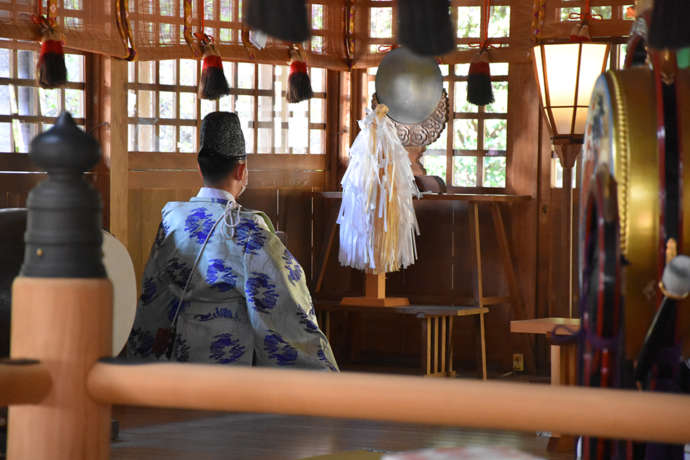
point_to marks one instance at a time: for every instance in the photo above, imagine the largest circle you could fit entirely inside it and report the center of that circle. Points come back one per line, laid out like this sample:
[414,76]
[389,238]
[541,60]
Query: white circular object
[118,265]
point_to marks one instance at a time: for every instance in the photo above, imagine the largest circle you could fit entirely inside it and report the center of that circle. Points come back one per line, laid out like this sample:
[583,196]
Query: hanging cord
[229,222]
[196,40]
[484,41]
[586,14]
[124,28]
[538,18]
[46,22]
[349,36]
[580,32]
[484,34]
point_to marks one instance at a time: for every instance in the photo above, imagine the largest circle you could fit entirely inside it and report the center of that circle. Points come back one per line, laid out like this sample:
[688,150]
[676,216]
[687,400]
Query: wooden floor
[194,435]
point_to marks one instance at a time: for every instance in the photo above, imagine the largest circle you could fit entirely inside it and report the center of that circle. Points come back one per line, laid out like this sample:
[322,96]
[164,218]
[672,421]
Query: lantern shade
[566,73]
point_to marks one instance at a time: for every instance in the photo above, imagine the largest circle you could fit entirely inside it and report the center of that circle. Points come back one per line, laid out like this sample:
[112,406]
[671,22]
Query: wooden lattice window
[164,112]
[26,109]
[609,18]
[471,152]
[382,26]
[470,22]
[604,10]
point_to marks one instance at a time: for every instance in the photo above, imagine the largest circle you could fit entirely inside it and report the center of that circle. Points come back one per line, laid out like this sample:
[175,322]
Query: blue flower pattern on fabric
[172,307]
[219,276]
[181,350]
[250,235]
[178,272]
[261,292]
[322,357]
[163,230]
[140,342]
[220,312]
[226,349]
[293,267]
[305,320]
[198,224]
[279,350]
[148,291]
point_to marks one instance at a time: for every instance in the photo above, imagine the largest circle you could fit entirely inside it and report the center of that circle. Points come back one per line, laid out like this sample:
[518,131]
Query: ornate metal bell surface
[410,85]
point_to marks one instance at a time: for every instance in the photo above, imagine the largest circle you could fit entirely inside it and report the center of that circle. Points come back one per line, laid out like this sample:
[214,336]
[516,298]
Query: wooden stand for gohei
[375,294]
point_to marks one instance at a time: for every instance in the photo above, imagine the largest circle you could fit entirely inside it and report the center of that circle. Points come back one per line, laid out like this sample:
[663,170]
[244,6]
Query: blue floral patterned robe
[247,303]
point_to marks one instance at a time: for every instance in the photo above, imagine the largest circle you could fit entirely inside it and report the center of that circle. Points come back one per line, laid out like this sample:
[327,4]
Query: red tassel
[299,85]
[52,72]
[479,91]
[213,84]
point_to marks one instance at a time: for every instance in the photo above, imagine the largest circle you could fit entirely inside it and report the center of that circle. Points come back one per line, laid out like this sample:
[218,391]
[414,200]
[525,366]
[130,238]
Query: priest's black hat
[221,136]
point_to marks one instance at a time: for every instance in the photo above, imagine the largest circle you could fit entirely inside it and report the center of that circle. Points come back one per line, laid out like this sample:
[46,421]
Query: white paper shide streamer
[377,218]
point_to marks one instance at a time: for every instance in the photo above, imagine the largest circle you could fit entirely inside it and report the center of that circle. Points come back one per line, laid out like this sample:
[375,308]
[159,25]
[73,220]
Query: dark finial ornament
[425,26]
[63,230]
[282,19]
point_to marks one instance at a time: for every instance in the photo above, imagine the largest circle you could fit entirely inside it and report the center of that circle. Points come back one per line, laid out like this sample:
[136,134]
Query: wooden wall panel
[524,172]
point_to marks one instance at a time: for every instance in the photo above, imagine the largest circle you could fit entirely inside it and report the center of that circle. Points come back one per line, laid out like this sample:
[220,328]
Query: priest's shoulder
[259,217]
[172,206]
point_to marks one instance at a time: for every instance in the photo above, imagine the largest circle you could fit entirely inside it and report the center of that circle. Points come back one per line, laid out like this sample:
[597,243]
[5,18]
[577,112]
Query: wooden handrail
[23,382]
[467,403]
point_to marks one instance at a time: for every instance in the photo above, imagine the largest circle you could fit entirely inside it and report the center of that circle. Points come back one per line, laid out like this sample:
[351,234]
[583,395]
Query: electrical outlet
[518,362]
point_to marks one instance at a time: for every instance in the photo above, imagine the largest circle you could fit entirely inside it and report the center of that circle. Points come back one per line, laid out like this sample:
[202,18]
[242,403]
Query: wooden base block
[376,302]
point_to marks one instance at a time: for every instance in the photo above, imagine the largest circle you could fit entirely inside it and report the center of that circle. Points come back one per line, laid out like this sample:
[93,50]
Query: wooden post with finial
[62,303]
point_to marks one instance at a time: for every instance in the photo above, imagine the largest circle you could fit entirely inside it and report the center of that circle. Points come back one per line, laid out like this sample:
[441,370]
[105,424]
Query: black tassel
[425,26]
[299,85]
[213,83]
[52,72]
[479,91]
[668,27]
[283,19]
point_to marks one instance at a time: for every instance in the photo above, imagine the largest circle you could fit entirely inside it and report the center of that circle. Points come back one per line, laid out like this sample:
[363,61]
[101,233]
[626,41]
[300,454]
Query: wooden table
[492,201]
[563,360]
[437,327]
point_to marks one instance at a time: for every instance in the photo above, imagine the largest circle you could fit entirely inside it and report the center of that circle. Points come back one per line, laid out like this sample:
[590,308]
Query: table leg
[443,344]
[436,345]
[481,332]
[428,346]
[562,373]
[451,372]
[474,224]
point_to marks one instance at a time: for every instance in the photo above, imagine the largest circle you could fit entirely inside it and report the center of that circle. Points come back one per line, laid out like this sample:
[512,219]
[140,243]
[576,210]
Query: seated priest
[219,285]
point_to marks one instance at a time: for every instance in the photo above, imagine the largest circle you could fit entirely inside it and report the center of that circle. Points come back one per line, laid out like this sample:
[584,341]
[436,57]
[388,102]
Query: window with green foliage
[470,154]
[164,112]
[470,22]
[26,109]
[604,10]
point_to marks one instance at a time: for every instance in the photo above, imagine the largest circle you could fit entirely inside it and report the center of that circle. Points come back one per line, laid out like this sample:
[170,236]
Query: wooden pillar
[66,323]
[333,122]
[114,141]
